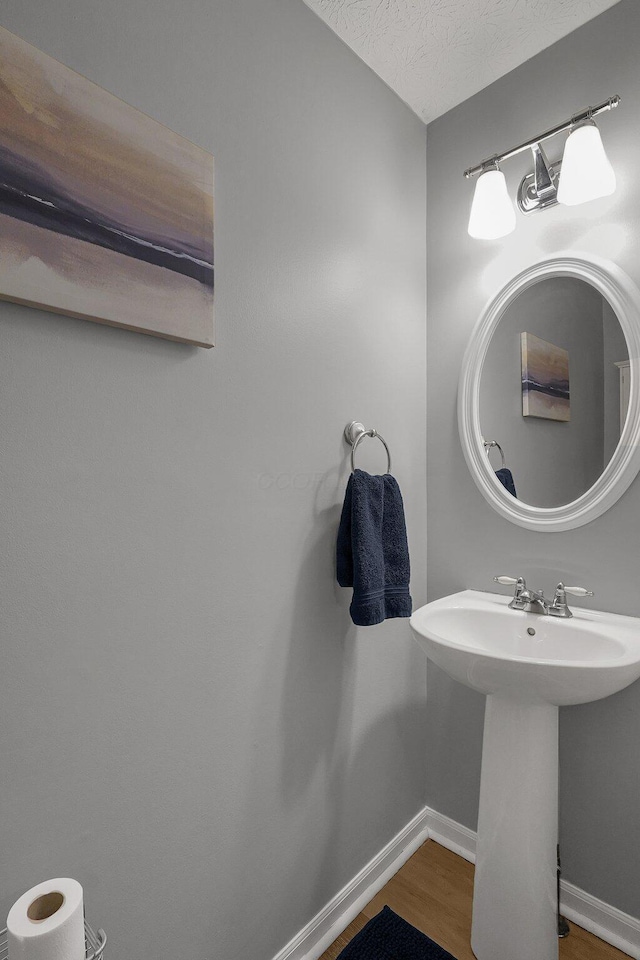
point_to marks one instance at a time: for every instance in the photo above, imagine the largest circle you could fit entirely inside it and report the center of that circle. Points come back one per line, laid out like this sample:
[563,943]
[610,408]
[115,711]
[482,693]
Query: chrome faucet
[534,601]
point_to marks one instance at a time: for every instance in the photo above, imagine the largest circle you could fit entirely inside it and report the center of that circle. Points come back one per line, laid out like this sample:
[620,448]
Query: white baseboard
[607,922]
[451,835]
[327,925]
[619,929]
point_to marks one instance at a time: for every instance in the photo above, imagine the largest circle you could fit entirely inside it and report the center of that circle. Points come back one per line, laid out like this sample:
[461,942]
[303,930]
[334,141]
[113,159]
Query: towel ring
[494,443]
[354,433]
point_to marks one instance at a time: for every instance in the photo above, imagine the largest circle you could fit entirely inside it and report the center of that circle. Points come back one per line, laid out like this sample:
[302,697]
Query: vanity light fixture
[583,174]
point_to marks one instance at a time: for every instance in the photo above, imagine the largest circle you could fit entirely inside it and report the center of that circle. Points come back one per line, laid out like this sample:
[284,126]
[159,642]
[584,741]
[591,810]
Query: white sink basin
[528,665]
[479,641]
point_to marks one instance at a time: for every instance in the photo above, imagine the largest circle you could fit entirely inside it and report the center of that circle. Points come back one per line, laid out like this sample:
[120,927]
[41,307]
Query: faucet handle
[518,583]
[579,592]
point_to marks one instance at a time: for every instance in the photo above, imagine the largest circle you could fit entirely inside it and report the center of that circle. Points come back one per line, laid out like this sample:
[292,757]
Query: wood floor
[433,891]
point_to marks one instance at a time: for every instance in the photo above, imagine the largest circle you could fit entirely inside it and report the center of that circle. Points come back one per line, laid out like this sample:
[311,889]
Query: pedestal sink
[528,665]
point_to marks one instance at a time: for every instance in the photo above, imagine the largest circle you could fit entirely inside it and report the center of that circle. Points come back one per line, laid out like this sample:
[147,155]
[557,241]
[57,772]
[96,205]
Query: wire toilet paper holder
[94,943]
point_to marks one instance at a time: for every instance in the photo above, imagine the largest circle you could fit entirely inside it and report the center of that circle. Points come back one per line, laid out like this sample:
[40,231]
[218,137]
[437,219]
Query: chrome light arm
[587,114]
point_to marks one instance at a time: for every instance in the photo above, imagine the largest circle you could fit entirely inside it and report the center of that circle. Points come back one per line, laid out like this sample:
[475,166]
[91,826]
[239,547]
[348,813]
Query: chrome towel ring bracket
[354,432]
[488,444]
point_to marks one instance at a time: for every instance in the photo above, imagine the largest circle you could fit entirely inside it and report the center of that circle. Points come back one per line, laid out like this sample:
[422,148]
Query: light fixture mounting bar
[583,115]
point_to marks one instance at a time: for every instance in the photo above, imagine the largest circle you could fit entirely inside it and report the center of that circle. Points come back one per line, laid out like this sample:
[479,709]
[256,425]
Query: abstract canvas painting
[105,214]
[545,379]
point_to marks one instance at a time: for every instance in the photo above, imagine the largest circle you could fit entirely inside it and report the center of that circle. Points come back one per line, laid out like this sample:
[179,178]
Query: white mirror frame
[624,297]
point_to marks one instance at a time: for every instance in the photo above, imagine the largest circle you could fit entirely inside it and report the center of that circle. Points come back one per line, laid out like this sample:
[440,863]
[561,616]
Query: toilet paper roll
[47,922]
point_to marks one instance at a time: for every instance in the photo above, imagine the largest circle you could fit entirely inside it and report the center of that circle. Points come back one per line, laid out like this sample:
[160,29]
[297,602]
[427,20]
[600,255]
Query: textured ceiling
[437,53]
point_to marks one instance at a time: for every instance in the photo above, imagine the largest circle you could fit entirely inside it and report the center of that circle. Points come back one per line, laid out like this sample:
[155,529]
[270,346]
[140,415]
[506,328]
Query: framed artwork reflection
[545,379]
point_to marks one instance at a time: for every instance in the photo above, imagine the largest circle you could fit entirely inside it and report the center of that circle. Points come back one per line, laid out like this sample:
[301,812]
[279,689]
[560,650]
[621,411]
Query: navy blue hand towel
[505,477]
[372,551]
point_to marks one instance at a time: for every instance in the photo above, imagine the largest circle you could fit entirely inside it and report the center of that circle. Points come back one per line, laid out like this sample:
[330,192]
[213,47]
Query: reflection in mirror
[559,450]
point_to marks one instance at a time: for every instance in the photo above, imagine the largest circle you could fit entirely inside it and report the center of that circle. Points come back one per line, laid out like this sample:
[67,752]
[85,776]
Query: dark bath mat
[389,937]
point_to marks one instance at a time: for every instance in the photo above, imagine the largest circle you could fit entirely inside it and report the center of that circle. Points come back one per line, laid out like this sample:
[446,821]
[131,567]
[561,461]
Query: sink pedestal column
[514,901]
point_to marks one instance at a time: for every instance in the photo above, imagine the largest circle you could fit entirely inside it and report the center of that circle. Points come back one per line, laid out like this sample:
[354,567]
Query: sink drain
[531,631]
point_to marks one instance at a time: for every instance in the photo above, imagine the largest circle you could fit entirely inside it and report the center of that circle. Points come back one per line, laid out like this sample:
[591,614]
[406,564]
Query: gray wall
[468,541]
[190,724]
[552,462]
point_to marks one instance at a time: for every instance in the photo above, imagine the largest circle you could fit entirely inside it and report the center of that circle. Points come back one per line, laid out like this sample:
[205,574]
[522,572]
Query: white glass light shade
[586,173]
[492,212]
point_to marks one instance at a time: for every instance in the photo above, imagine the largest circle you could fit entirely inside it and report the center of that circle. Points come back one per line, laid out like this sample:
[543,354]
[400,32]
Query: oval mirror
[548,401]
